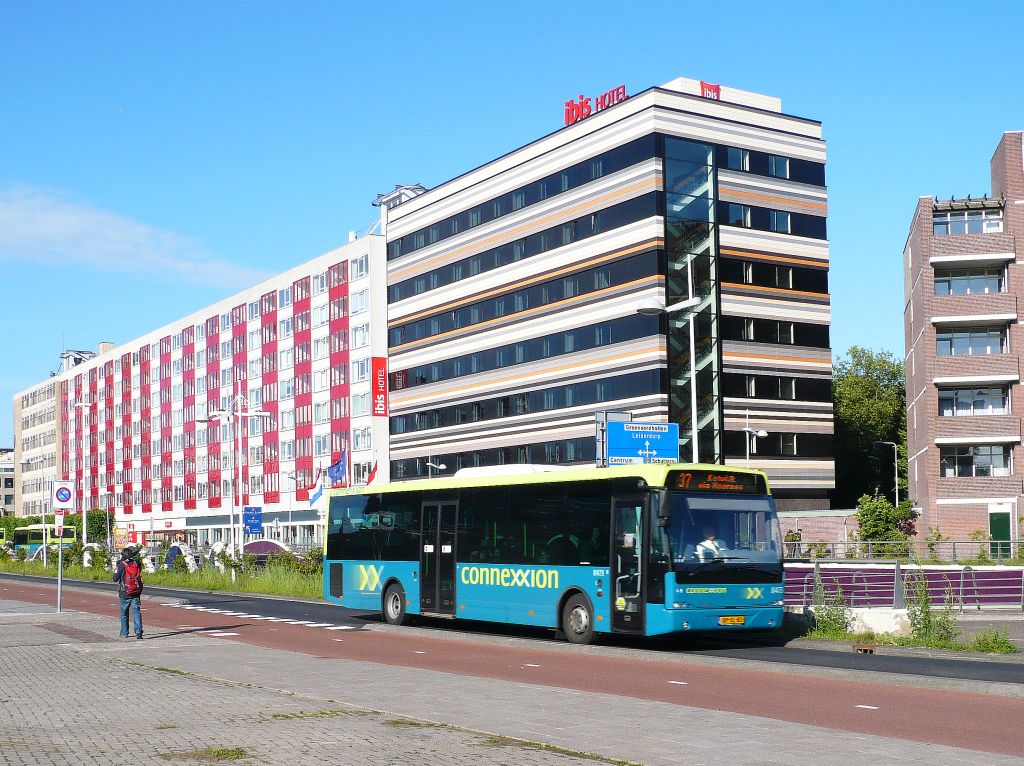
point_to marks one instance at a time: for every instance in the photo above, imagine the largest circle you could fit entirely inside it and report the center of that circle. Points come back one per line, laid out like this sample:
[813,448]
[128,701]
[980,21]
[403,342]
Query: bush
[931,627]
[831,613]
[881,521]
[993,641]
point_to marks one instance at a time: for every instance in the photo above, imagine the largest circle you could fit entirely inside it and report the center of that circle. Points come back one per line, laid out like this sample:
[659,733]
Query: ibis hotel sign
[585,106]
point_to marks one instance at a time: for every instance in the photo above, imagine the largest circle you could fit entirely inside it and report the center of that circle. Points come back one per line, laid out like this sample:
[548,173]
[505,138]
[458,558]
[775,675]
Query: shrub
[831,612]
[992,640]
[931,627]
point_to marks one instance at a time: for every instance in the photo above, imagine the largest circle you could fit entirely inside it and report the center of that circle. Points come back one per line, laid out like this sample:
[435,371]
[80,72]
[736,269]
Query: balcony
[954,250]
[991,366]
[978,428]
[948,309]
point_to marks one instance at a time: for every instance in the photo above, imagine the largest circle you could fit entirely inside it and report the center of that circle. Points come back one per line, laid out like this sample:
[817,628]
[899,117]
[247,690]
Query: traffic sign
[252,519]
[63,495]
[636,442]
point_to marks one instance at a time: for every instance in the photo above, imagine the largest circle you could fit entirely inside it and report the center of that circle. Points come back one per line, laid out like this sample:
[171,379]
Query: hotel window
[284,297]
[286,358]
[287,420]
[284,329]
[738,215]
[959,461]
[778,166]
[967,222]
[959,402]
[748,329]
[255,340]
[321,348]
[319,283]
[361,438]
[321,413]
[225,322]
[360,301]
[320,315]
[748,273]
[254,310]
[360,370]
[784,277]
[286,387]
[360,405]
[975,342]
[322,445]
[737,159]
[361,336]
[287,450]
[969,281]
[778,220]
[321,380]
[359,267]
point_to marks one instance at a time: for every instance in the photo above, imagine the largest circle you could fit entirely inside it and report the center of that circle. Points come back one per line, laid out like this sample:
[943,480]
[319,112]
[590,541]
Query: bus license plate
[732,619]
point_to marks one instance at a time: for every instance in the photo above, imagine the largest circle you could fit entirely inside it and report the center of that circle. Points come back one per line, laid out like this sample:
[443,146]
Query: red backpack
[132,579]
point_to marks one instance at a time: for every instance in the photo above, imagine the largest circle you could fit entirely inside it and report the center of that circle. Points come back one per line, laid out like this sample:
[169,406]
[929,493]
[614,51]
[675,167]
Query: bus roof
[654,475]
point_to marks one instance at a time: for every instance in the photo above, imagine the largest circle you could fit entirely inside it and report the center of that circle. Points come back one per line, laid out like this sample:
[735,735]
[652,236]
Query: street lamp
[749,433]
[85,516]
[896,467]
[237,409]
[25,463]
[438,466]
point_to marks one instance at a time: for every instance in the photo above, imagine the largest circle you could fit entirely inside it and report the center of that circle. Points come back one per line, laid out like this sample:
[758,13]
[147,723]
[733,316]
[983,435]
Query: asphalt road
[755,647]
[654,671]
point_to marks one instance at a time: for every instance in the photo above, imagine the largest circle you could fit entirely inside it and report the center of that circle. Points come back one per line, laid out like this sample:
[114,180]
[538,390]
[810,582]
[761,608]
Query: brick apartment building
[964,344]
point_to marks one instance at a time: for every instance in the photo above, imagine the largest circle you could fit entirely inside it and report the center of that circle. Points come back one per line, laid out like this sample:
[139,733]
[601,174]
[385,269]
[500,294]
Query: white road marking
[342,627]
[530,665]
[419,652]
[680,683]
[219,633]
[319,624]
[867,707]
[299,622]
[337,639]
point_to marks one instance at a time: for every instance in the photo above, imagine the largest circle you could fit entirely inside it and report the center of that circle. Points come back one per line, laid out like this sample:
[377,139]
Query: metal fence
[974,552]
[893,584]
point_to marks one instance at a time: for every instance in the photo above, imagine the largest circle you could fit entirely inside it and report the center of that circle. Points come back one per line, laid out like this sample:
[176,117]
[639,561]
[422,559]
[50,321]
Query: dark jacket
[119,573]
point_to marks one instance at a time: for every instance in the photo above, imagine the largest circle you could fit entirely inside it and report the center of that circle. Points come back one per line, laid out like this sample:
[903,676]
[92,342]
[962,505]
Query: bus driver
[710,547]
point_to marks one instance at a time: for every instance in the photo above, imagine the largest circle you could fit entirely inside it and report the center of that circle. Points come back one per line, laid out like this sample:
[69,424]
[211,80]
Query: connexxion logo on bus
[507,577]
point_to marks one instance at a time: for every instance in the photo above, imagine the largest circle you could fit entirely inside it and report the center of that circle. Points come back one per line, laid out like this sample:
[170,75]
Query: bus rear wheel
[394,606]
[578,620]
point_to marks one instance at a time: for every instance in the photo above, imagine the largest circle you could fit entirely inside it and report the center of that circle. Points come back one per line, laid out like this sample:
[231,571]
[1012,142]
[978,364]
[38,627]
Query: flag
[316,490]
[337,471]
[373,473]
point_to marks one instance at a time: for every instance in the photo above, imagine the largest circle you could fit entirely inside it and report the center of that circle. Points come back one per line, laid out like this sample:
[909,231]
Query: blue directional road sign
[635,442]
[252,519]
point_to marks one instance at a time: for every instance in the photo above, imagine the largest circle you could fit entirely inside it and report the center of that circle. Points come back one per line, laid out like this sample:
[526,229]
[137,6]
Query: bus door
[437,557]
[627,564]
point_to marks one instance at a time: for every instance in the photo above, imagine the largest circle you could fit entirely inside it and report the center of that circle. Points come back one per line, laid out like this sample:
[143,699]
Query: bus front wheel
[578,620]
[394,606]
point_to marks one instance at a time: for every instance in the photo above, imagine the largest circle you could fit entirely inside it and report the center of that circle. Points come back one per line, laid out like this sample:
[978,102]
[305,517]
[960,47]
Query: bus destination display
[719,481]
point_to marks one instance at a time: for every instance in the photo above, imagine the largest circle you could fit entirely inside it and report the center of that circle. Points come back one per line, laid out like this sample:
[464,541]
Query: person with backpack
[128,576]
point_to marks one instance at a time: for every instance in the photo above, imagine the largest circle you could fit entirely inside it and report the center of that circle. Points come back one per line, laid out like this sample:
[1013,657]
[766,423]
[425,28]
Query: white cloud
[39,225]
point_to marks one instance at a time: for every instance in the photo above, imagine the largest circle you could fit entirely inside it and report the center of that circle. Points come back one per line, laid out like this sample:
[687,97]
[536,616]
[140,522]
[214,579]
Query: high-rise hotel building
[143,428]
[524,295]
[963,279]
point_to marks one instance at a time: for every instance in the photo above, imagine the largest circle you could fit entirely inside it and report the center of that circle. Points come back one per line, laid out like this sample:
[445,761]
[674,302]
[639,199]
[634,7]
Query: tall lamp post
[233,414]
[85,513]
[895,466]
[438,466]
[25,464]
[751,433]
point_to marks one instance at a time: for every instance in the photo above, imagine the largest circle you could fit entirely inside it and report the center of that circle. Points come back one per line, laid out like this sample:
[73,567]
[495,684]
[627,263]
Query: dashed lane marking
[264,618]
[530,665]
[680,683]
[342,627]
[868,707]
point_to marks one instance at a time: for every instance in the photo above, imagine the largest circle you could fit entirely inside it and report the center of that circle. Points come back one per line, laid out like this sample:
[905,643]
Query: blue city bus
[589,551]
[30,538]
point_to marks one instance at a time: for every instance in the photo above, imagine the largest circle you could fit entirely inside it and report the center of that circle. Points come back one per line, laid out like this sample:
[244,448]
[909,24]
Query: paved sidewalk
[71,692]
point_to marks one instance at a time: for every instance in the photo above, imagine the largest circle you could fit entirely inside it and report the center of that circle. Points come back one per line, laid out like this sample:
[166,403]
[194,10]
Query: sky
[157,157]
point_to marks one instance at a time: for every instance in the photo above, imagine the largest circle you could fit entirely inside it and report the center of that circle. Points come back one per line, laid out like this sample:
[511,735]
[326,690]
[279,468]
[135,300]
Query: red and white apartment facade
[307,347]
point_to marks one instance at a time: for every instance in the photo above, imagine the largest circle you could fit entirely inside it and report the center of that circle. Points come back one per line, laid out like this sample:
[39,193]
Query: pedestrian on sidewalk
[128,576]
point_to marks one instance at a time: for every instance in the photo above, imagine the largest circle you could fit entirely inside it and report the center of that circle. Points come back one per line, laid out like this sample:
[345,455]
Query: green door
[999,531]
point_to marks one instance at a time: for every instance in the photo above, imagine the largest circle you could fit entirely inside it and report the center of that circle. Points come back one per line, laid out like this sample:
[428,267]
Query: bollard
[899,598]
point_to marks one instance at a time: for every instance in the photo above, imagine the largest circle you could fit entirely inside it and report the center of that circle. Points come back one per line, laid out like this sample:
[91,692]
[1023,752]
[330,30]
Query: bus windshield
[724,531]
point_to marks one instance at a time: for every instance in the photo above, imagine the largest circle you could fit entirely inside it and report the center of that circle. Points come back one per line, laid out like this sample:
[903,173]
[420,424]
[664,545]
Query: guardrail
[974,552]
[892,583]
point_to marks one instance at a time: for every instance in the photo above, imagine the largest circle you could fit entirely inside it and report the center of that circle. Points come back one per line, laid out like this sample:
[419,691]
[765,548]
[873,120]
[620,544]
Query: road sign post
[638,442]
[63,500]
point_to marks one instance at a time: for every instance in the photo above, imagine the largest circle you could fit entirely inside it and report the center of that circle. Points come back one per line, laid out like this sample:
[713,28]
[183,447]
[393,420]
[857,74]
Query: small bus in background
[584,551]
[30,537]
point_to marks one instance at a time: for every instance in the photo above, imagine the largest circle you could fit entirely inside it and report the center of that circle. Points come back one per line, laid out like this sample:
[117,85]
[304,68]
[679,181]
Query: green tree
[869,399]
[878,519]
